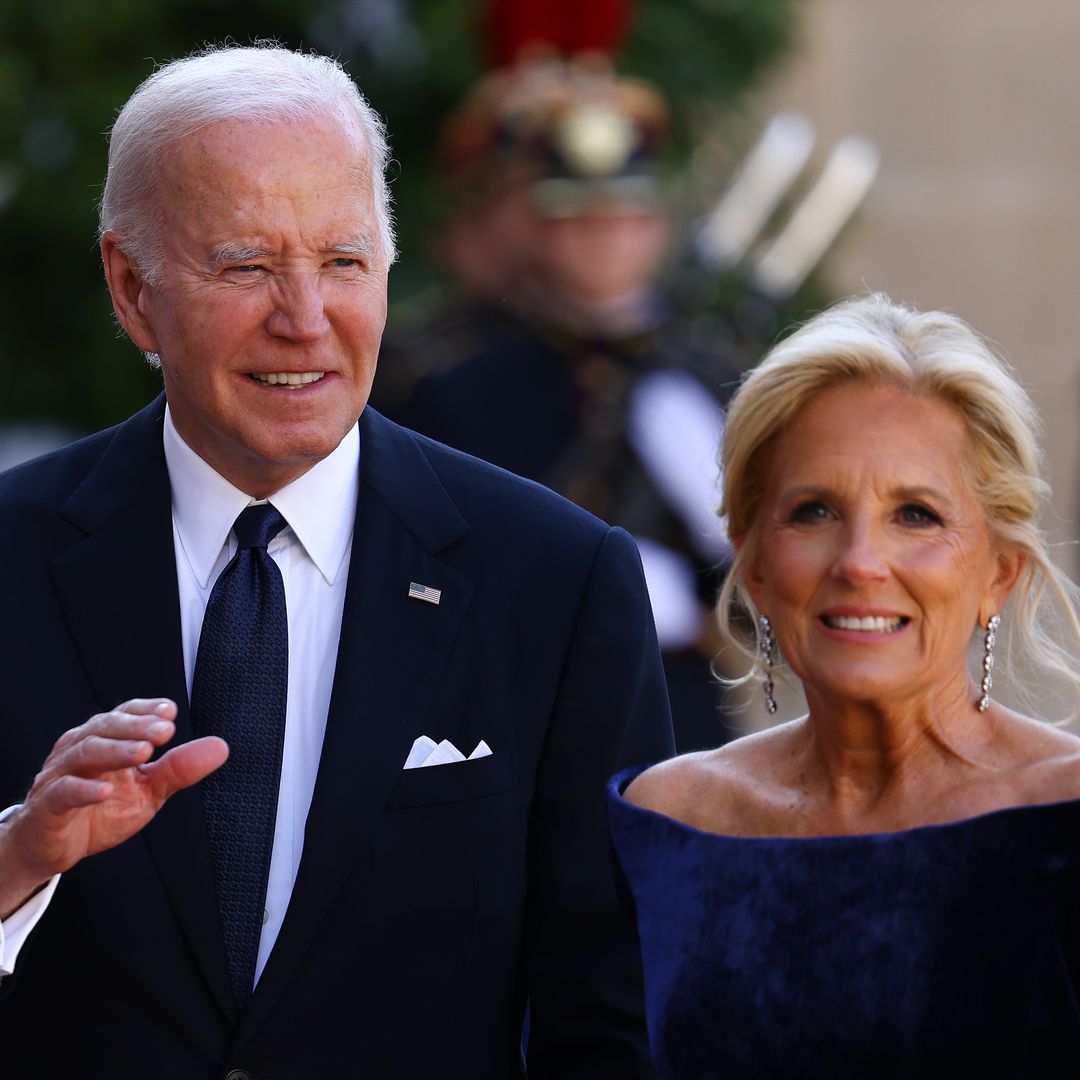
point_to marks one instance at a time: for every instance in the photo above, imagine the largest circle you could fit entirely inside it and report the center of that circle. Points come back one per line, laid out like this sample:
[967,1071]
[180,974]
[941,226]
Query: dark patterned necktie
[238,692]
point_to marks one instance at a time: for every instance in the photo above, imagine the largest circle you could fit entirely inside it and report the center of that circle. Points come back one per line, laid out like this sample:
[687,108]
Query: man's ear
[1009,565]
[127,289]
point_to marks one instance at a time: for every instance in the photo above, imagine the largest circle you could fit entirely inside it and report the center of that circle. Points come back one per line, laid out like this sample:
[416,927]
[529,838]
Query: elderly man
[420,669]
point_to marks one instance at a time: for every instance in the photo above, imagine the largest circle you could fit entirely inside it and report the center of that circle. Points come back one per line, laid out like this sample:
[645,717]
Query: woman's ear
[750,578]
[1009,564]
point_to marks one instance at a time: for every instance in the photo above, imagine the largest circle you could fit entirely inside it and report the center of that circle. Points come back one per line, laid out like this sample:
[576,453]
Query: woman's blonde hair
[872,339]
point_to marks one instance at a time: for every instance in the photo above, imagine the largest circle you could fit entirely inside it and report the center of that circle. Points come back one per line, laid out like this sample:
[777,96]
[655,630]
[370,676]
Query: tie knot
[257,526]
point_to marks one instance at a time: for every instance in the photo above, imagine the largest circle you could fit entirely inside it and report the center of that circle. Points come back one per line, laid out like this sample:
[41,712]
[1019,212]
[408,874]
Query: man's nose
[299,311]
[861,556]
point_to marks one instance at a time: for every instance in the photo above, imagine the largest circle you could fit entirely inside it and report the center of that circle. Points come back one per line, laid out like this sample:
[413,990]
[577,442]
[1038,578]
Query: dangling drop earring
[988,661]
[768,650]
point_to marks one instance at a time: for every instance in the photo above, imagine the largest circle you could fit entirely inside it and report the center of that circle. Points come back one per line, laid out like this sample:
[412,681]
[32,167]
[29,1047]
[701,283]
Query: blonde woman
[888,886]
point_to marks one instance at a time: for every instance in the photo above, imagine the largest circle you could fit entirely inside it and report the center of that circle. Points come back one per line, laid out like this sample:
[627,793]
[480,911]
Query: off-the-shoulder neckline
[619,782]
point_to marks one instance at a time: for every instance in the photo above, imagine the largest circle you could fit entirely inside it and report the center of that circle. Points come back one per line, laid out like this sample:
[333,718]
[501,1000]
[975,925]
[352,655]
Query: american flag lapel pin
[424,592]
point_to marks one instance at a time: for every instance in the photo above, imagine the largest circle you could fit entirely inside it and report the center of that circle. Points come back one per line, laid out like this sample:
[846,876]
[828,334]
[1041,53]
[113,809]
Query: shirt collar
[320,506]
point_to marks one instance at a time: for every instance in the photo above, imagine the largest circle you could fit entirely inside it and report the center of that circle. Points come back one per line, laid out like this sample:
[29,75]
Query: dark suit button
[238,1074]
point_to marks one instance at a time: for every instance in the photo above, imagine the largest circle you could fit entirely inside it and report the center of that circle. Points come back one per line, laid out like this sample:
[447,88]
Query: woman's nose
[861,556]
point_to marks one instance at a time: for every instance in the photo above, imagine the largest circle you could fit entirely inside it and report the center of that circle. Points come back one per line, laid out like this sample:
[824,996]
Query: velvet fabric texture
[947,950]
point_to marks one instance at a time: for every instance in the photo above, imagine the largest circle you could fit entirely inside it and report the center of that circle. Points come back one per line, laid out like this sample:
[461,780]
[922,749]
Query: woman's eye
[921,516]
[808,513]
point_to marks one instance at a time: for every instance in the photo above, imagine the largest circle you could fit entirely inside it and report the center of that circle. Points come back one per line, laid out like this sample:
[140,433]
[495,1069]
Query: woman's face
[874,559]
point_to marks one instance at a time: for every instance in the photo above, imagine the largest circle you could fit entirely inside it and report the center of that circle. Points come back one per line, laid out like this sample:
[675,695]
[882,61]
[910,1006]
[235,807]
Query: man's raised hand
[96,789]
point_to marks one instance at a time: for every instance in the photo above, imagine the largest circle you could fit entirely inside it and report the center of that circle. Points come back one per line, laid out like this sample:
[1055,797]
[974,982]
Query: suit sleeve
[583,963]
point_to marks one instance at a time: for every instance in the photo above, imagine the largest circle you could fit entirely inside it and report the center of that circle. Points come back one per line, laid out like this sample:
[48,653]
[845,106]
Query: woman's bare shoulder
[722,790]
[1047,759]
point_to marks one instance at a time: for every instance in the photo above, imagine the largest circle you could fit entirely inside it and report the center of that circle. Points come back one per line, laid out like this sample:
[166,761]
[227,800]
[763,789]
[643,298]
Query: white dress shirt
[15,929]
[313,557]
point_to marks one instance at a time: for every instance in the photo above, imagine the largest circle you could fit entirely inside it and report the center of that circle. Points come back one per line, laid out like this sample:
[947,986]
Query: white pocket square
[426,751]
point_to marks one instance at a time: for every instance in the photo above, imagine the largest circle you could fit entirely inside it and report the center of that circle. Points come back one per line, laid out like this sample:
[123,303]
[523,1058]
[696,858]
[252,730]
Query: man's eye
[344,263]
[918,515]
[246,268]
[809,513]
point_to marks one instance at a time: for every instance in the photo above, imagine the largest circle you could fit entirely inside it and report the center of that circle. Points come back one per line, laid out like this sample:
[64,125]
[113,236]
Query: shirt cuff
[16,928]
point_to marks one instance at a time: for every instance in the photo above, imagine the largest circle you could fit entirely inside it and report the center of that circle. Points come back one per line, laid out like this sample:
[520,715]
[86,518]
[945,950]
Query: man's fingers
[95,755]
[185,765]
[154,725]
[163,707]
[130,742]
[73,792]
[138,719]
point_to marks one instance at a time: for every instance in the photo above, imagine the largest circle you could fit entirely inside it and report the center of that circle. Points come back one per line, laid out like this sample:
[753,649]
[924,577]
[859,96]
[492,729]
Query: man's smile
[291,379]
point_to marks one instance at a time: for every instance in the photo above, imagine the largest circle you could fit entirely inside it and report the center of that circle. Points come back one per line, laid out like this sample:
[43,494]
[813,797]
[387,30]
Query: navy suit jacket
[430,904]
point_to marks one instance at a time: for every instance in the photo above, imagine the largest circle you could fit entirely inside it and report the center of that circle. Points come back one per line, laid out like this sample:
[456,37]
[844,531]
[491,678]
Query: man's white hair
[264,83]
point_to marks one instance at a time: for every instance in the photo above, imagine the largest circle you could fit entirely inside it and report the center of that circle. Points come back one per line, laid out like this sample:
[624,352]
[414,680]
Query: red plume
[514,28]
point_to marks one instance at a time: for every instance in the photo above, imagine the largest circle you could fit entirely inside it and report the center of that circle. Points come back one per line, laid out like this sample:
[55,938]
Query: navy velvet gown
[949,950]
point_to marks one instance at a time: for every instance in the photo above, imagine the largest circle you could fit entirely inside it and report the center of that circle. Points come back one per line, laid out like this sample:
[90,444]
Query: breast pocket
[456,782]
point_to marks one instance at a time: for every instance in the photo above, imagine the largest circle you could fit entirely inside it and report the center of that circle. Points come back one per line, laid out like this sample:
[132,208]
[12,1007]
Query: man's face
[272,298]
[601,255]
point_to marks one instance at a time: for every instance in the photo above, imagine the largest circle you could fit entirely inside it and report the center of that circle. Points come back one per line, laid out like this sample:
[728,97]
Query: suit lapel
[118,590]
[391,657]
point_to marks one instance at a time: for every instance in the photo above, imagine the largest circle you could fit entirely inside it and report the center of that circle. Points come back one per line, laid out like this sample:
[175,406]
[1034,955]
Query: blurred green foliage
[66,66]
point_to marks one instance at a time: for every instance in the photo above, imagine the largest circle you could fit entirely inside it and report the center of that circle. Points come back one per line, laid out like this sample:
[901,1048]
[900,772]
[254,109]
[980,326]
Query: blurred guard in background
[561,360]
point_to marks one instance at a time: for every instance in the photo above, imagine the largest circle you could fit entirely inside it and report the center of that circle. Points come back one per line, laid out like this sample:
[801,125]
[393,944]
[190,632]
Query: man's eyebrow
[362,245]
[236,253]
[229,253]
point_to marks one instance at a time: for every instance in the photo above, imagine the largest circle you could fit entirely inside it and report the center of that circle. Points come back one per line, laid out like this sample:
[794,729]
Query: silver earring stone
[988,661]
[768,656]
